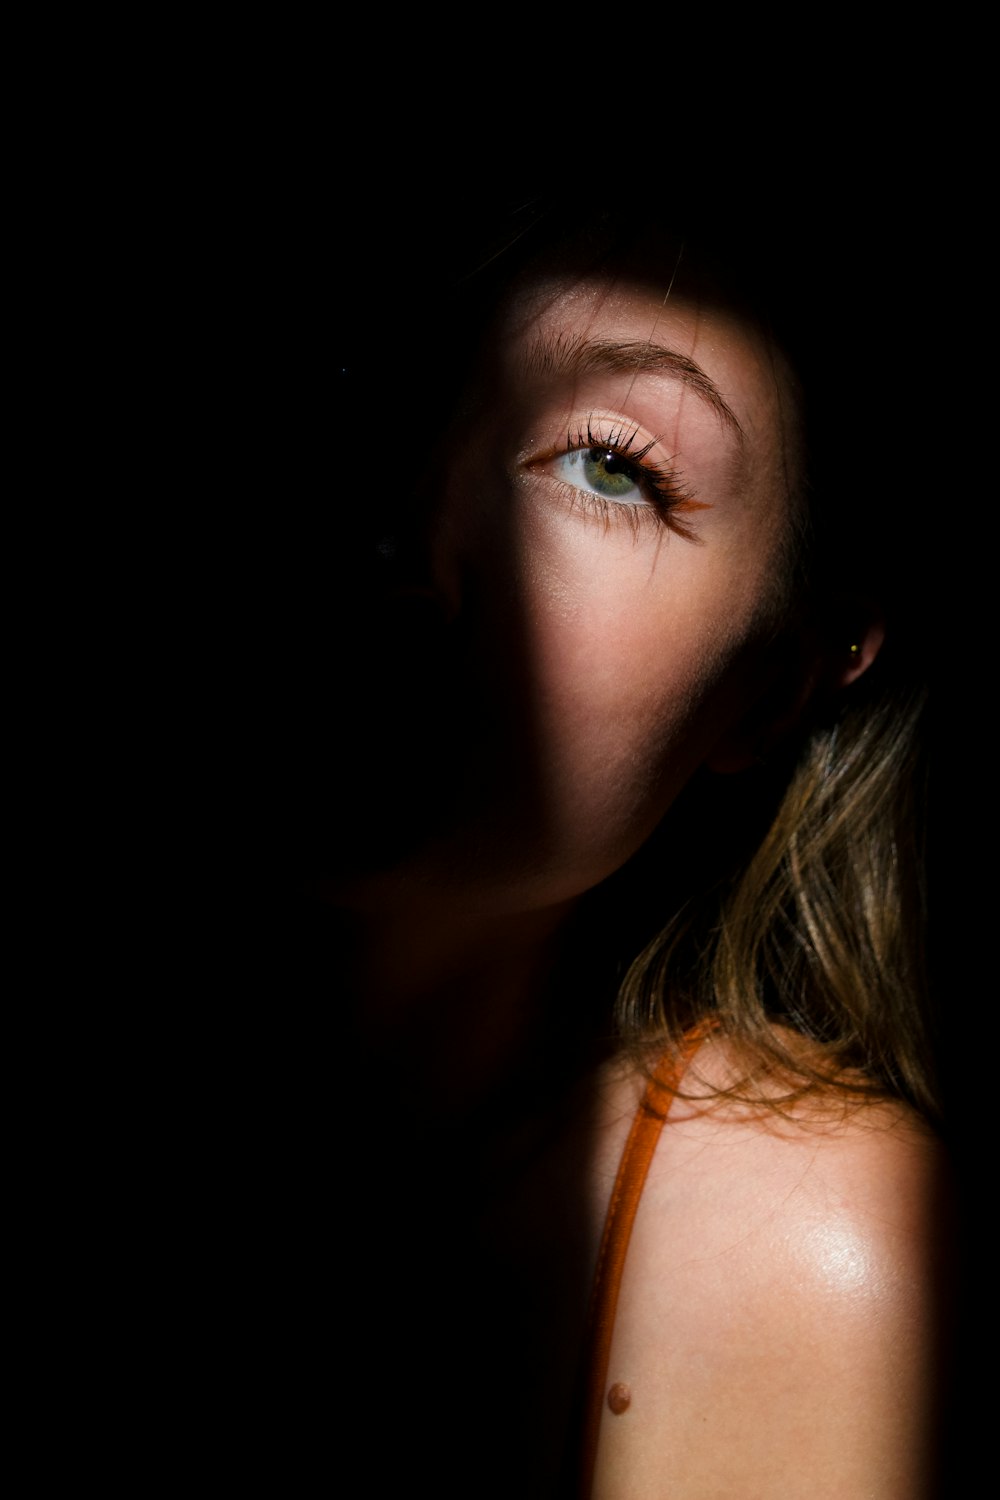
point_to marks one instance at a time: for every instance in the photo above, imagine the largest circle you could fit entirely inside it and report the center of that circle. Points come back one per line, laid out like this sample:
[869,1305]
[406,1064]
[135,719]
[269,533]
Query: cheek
[641,658]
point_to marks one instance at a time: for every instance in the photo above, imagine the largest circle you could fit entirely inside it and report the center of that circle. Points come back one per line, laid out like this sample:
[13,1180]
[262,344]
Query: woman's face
[609,537]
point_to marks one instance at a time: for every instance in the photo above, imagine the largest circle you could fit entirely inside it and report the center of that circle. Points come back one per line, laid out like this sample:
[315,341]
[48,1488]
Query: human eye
[615,479]
[604,472]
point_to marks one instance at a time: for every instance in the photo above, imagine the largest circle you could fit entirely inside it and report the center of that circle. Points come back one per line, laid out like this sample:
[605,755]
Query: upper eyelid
[628,436]
[620,436]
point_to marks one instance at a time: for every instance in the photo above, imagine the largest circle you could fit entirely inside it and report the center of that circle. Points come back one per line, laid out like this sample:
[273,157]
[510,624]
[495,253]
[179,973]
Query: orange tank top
[629,1183]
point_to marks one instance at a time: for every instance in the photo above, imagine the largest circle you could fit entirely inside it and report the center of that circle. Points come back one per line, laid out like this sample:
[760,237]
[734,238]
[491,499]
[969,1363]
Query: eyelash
[661,482]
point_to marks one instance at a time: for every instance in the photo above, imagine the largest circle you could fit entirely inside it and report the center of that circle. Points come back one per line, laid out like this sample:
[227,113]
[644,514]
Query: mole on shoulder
[619,1398]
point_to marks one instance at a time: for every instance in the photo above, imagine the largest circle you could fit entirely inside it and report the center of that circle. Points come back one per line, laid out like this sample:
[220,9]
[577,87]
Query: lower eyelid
[616,513]
[637,515]
[609,514]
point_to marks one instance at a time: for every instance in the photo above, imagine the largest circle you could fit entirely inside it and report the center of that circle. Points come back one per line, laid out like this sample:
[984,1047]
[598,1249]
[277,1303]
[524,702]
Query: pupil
[613,464]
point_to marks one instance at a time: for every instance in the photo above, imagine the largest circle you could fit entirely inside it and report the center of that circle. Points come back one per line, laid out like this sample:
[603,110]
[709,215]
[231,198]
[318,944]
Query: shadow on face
[562,592]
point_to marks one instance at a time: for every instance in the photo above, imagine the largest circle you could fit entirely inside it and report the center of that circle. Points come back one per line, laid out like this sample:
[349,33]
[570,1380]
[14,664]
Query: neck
[450,999]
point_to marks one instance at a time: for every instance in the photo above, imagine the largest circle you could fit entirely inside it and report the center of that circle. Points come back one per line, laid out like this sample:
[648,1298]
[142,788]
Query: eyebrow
[578,355]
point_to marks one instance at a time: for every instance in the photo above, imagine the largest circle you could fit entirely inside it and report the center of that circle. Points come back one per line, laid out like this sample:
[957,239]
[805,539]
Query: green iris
[609,473]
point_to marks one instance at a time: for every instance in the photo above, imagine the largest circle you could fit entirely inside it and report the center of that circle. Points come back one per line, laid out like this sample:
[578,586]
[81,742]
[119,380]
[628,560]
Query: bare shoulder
[781,1315]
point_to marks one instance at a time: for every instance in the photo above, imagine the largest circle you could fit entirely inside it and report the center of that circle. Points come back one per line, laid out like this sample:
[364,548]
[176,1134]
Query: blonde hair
[820,927]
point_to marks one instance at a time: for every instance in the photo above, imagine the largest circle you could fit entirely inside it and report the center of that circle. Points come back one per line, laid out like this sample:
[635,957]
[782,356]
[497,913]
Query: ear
[864,645]
[814,670]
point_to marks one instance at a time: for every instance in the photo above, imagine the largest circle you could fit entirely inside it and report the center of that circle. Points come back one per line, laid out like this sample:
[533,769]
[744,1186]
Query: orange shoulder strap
[629,1183]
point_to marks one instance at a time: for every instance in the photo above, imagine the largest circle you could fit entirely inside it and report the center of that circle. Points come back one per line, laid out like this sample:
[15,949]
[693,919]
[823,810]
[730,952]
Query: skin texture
[781,1319]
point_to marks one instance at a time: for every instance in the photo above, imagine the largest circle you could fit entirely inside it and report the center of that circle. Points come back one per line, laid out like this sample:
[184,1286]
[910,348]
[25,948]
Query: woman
[640,744]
